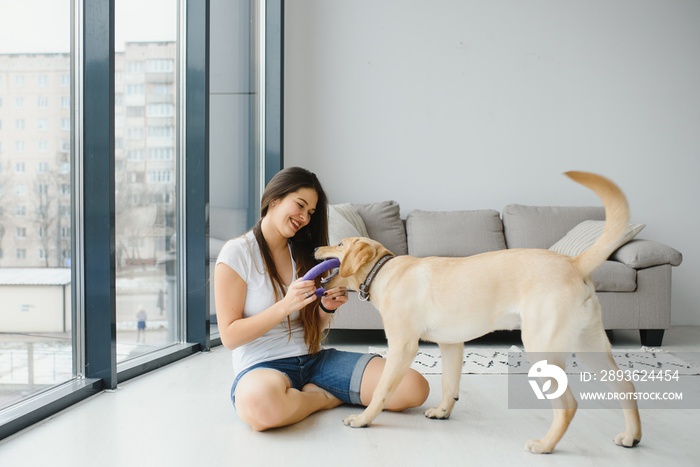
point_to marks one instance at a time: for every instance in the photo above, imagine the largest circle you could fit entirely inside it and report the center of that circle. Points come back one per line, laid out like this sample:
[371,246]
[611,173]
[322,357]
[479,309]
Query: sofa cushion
[542,226]
[384,224]
[584,235]
[612,276]
[455,233]
[641,254]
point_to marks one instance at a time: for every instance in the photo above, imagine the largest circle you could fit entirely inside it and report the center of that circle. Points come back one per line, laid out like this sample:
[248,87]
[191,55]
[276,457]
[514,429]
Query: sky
[43,26]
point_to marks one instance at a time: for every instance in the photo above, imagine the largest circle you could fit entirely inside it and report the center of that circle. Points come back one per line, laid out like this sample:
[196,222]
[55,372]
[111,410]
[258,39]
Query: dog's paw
[355,421]
[436,413]
[536,446]
[626,441]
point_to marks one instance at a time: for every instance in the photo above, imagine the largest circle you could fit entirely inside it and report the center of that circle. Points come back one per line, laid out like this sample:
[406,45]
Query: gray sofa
[634,285]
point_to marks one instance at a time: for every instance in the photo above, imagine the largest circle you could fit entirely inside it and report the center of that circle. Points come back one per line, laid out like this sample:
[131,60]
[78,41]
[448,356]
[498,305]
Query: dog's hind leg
[604,361]
[399,357]
[452,355]
[560,423]
[564,408]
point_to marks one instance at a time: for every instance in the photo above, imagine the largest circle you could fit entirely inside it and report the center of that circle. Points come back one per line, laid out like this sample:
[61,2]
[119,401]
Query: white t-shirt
[243,255]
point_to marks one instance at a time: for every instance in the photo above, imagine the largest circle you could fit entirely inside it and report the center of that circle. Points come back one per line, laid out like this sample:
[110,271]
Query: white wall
[458,104]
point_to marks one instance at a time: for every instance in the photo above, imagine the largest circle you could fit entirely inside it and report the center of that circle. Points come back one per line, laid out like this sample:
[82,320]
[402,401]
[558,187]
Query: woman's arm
[229,297]
[332,300]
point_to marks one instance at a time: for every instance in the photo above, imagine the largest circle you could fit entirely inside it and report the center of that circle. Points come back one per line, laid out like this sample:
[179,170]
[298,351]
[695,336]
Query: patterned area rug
[502,361]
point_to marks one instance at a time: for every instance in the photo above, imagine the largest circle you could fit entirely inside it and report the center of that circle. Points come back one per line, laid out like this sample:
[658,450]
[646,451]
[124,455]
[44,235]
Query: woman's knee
[258,404]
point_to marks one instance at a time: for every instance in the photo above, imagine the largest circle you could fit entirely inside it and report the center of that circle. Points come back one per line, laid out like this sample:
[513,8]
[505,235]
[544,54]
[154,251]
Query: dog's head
[357,256]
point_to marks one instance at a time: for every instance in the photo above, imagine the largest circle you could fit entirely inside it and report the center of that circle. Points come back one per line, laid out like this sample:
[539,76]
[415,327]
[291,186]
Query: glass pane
[36,337]
[146,152]
[234,152]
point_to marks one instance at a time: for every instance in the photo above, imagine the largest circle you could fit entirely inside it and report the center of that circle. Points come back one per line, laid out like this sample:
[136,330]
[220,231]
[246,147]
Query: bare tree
[6,200]
[51,200]
[46,213]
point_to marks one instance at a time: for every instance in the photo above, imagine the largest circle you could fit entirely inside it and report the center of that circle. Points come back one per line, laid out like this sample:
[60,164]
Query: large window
[236,155]
[146,176]
[105,127]
[36,320]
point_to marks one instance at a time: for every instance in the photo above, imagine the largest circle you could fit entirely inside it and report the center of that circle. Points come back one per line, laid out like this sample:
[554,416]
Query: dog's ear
[359,254]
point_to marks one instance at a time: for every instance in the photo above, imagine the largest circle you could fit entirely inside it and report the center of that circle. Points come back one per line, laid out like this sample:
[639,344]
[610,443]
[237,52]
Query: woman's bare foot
[332,401]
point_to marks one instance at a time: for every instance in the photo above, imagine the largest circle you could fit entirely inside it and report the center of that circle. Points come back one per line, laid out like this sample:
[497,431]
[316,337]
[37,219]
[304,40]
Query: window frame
[92,221]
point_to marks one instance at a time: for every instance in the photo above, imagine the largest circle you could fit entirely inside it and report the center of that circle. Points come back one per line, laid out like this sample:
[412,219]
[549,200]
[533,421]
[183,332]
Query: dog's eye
[340,244]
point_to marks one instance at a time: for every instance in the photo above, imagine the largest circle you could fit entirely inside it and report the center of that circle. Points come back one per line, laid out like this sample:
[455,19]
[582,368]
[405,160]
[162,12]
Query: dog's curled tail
[617,216]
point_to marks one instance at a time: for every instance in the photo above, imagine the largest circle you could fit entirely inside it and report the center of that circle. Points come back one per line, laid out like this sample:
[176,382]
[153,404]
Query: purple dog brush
[320,268]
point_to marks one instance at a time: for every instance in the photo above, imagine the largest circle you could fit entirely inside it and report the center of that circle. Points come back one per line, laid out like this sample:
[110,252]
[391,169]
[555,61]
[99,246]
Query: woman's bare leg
[265,399]
[413,390]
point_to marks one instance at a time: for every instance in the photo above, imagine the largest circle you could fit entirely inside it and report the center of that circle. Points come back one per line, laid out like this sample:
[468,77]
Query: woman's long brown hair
[313,235]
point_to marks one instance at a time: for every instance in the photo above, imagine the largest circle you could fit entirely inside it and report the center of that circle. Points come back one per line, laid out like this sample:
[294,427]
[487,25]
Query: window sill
[45,404]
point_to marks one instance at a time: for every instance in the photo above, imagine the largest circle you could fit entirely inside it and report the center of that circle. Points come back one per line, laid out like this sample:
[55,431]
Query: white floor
[181,415]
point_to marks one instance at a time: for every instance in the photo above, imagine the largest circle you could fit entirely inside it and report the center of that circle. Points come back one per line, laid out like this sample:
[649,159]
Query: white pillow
[581,237]
[339,227]
[350,214]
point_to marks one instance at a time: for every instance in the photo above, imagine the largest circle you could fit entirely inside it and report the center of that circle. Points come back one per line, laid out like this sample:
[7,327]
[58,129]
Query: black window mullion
[274,88]
[196,174]
[100,335]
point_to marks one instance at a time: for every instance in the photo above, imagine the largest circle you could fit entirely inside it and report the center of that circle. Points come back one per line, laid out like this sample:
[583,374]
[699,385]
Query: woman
[274,323]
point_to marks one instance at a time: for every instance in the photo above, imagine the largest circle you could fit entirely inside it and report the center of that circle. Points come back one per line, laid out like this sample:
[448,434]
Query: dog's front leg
[398,360]
[452,355]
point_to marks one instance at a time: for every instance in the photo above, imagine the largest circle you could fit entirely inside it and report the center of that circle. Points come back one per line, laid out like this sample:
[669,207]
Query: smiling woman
[272,320]
[294,209]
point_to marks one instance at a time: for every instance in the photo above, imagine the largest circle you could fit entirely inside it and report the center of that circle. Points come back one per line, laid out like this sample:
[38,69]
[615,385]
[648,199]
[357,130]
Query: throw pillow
[339,227]
[581,237]
[351,215]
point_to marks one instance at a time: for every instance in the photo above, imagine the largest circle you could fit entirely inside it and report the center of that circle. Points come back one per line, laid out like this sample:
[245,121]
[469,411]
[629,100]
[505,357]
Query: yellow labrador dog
[453,300]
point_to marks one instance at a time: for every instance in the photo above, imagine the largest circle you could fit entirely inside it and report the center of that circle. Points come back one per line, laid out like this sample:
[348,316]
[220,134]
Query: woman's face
[294,211]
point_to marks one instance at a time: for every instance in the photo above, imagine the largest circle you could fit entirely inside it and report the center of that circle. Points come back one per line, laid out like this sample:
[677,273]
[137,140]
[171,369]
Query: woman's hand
[333,298]
[299,294]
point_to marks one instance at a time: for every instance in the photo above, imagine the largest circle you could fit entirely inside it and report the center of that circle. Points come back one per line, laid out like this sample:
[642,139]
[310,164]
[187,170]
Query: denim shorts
[336,371]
